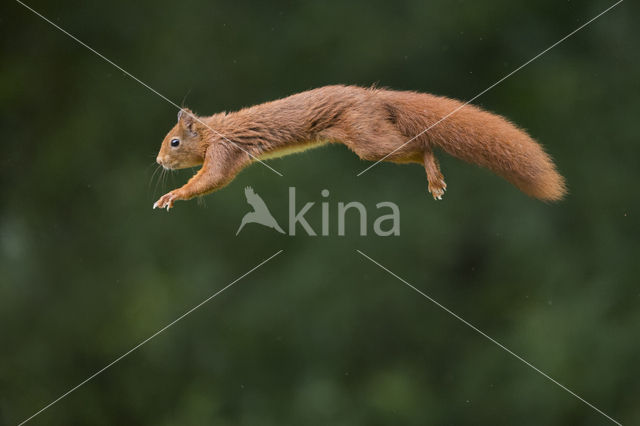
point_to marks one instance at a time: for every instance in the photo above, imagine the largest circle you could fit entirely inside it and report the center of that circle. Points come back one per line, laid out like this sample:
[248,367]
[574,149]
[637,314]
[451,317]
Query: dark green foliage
[319,335]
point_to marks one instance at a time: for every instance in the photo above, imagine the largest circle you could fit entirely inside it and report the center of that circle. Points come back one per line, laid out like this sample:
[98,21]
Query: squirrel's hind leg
[437,186]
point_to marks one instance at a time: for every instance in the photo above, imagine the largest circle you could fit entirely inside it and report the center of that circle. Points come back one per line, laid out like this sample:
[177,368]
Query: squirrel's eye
[175,142]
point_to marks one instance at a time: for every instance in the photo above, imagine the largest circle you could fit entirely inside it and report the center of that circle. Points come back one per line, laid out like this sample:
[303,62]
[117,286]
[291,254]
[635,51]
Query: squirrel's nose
[158,160]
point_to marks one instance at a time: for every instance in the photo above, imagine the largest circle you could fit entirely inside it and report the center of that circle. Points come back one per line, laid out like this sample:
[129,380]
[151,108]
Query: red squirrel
[374,123]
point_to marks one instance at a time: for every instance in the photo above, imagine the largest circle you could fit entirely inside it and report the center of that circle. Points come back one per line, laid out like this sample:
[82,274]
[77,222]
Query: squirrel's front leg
[189,190]
[221,165]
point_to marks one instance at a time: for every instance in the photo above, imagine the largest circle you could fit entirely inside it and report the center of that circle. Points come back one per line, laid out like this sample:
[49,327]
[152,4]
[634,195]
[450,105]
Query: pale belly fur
[287,150]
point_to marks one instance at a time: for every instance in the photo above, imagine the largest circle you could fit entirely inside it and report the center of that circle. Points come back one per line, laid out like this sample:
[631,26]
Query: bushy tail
[491,141]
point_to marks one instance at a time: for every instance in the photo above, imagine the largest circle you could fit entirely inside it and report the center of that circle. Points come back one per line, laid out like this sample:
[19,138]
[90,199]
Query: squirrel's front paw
[167,200]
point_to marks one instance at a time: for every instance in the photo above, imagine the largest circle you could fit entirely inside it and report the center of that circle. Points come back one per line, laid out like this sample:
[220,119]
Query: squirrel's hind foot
[437,187]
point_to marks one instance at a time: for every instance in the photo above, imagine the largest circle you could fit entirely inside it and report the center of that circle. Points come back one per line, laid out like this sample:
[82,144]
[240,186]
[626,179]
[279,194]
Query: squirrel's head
[183,147]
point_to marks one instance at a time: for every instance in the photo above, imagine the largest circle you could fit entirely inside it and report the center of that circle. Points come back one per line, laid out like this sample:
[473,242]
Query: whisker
[165,173]
[153,175]
[158,179]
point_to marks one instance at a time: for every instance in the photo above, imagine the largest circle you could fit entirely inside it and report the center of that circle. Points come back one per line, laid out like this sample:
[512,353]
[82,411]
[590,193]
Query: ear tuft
[183,112]
[187,119]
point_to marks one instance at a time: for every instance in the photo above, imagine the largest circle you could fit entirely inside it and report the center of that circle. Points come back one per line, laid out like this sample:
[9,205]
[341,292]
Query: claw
[167,200]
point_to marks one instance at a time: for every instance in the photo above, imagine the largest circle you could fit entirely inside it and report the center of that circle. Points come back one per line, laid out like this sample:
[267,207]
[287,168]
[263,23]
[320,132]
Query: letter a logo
[260,213]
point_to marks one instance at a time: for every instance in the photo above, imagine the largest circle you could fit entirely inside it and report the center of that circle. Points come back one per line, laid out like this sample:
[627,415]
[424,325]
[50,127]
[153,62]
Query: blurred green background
[319,335]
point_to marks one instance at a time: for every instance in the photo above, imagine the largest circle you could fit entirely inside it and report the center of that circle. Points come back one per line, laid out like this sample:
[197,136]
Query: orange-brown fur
[372,123]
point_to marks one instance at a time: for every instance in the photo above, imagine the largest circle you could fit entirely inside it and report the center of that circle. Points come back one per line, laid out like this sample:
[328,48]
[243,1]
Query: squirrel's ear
[187,119]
